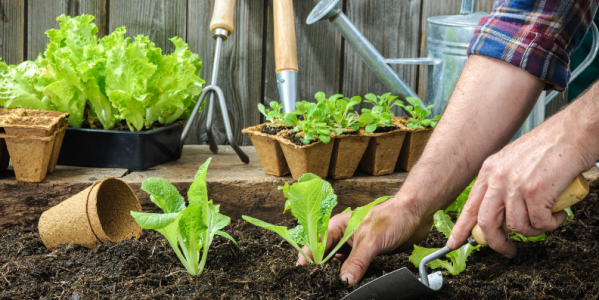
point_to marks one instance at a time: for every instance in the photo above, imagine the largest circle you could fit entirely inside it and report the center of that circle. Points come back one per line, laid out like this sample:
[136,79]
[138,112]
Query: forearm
[490,102]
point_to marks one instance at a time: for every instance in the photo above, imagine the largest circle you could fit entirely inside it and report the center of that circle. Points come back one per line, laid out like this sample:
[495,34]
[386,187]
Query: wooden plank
[240,70]
[12,31]
[319,55]
[158,19]
[393,27]
[42,14]
[240,188]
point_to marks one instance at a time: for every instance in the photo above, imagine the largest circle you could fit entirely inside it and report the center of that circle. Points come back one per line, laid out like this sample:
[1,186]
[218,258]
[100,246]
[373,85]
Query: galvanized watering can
[448,40]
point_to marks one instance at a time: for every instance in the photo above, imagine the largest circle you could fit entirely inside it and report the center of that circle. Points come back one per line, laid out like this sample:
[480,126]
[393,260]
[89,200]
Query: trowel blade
[398,285]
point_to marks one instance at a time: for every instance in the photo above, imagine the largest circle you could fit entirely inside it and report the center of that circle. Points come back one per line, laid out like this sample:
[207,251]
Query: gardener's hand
[520,183]
[388,227]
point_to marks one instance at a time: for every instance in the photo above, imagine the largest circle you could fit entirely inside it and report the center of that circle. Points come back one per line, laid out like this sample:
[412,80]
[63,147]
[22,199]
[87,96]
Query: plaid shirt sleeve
[535,35]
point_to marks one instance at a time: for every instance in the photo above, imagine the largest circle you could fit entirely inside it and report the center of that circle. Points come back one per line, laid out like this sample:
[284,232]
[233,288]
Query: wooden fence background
[397,28]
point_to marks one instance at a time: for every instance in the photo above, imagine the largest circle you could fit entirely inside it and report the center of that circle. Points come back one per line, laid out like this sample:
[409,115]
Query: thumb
[354,268]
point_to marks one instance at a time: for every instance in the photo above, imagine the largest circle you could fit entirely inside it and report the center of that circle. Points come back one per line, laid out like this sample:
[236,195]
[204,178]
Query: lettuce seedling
[338,111]
[385,101]
[311,200]
[313,125]
[275,116]
[371,119]
[189,230]
[419,114]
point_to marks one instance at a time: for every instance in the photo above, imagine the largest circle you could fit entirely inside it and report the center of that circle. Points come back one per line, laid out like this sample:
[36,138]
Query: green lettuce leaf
[164,194]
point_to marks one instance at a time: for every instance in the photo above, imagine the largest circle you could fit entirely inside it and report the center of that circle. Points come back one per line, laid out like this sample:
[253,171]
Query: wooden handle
[222,16]
[574,193]
[285,44]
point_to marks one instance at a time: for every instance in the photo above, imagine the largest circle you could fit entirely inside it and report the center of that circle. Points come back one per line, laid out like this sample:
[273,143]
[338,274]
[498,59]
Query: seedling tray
[120,149]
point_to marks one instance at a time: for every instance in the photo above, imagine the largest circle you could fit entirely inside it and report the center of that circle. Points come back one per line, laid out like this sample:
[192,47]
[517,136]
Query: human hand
[519,184]
[388,227]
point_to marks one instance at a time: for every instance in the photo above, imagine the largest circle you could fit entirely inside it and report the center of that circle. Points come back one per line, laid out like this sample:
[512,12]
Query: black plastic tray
[120,149]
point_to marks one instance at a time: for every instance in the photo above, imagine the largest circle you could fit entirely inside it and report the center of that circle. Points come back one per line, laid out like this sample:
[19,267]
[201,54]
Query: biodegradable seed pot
[413,146]
[383,150]
[98,214]
[268,149]
[314,158]
[348,151]
[30,156]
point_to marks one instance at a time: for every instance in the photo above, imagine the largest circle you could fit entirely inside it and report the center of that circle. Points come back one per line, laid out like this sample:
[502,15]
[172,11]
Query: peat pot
[382,152]
[120,149]
[313,158]
[269,151]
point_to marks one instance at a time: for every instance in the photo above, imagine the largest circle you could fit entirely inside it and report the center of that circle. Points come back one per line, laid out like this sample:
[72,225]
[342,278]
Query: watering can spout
[331,10]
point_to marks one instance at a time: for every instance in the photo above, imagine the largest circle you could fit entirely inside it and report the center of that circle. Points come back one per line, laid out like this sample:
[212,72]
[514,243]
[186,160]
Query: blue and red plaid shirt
[535,35]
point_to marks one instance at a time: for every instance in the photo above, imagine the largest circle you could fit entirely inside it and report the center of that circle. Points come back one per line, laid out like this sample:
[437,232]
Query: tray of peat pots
[264,139]
[33,139]
[124,113]
[386,138]
[308,147]
[349,144]
[419,129]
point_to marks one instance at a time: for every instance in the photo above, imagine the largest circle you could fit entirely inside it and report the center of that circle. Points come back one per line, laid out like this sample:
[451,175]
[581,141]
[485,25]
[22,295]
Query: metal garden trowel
[403,285]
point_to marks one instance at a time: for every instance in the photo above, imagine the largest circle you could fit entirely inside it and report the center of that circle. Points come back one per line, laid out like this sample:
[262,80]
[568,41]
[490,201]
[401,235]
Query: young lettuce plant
[189,230]
[338,111]
[371,119]
[313,125]
[273,115]
[419,114]
[386,101]
[311,200]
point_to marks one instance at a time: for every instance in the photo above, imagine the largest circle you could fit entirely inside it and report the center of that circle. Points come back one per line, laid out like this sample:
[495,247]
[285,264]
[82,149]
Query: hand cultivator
[221,27]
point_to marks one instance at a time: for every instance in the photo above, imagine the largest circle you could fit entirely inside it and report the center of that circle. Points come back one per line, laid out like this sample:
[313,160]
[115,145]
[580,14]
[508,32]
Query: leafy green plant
[313,125]
[380,114]
[385,101]
[117,78]
[339,111]
[189,230]
[311,200]
[419,114]
[273,115]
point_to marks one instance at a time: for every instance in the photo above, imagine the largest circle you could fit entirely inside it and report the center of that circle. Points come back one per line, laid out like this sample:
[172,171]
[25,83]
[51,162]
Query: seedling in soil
[419,114]
[189,230]
[273,115]
[386,101]
[380,114]
[338,111]
[311,200]
[313,126]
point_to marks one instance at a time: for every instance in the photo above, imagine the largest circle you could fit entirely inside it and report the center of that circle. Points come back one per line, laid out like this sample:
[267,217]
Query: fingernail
[348,277]
[450,241]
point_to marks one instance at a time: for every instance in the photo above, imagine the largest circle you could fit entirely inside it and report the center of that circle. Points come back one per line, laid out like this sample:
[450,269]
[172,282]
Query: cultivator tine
[225,112]
[211,142]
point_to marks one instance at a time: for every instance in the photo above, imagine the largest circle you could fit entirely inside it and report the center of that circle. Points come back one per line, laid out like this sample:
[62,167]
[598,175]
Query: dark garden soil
[295,138]
[383,129]
[565,266]
[273,130]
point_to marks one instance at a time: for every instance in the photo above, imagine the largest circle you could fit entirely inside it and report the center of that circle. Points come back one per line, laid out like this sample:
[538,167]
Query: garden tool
[285,53]
[402,284]
[221,27]
[448,41]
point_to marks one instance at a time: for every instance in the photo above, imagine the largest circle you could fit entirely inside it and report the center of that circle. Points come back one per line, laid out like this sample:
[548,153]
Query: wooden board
[240,188]
[42,14]
[158,19]
[12,31]
[319,55]
[393,28]
[240,70]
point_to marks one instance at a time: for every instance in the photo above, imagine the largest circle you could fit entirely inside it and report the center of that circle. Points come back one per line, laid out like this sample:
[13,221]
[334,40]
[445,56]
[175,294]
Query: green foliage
[338,111]
[419,114]
[274,115]
[380,114]
[189,230]
[313,124]
[117,77]
[311,200]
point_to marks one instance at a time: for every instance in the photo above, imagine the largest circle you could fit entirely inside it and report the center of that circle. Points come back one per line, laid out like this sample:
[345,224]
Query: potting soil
[383,129]
[273,130]
[564,266]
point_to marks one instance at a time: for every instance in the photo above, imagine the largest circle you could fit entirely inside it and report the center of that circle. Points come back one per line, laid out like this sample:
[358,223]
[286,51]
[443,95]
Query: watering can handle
[585,63]
[574,193]
[223,15]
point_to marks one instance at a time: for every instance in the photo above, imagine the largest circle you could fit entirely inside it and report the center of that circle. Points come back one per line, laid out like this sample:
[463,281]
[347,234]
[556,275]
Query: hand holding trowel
[285,53]
[401,284]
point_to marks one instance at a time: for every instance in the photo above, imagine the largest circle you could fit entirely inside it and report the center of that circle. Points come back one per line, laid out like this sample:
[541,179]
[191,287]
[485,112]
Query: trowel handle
[222,15]
[285,44]
[574,193]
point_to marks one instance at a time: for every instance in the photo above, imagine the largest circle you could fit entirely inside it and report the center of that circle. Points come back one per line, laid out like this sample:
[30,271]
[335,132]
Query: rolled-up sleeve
[537,36]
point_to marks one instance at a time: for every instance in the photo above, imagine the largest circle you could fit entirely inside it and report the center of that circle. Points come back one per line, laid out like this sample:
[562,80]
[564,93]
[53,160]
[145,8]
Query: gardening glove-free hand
[520,183]
[388,227]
